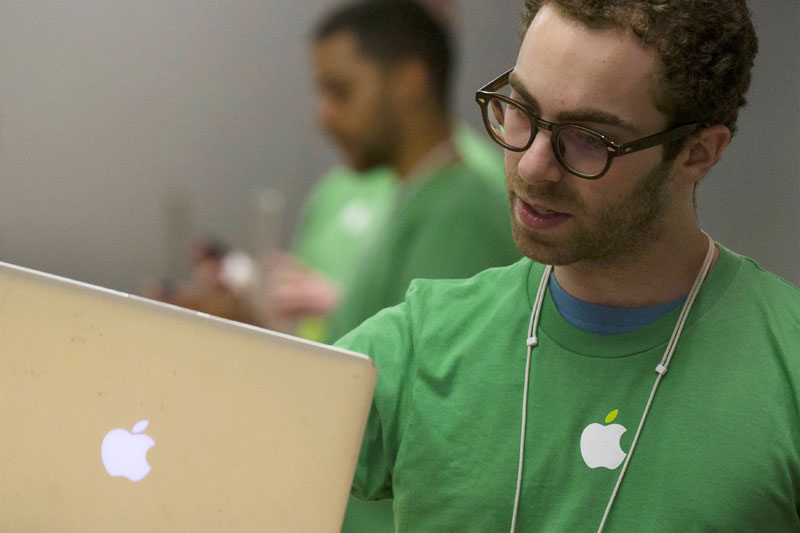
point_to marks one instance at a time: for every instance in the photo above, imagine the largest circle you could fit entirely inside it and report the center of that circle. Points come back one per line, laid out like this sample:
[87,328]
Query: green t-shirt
[448,224]
[343,211]
[346,209]
[720,450]
[481,155]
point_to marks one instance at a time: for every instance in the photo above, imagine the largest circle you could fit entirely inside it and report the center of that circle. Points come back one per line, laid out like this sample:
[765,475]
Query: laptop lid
[123,414]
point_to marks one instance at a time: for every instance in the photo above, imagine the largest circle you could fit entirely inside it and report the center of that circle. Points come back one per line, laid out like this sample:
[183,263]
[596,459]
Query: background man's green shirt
[449,224]
[346,211]
[346,208]
[720,450]
[343,211]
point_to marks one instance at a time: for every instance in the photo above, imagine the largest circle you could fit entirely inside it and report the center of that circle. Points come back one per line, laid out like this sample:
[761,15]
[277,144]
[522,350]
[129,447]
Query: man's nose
[538,162]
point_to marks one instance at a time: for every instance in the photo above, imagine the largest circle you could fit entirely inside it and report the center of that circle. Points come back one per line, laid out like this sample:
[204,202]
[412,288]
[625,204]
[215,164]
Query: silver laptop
[122,414]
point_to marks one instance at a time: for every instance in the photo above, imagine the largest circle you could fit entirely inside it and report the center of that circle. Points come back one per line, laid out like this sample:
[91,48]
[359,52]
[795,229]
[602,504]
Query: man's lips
[538,217]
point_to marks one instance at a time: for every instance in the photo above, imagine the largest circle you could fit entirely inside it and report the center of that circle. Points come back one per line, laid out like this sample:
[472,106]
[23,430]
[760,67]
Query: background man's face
[606,81]
[354,105]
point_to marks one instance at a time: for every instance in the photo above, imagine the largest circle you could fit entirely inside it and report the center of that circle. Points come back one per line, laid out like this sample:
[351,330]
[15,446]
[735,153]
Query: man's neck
[664,272]
[418,142]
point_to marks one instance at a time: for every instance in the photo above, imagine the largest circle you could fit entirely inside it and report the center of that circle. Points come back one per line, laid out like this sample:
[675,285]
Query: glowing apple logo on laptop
[124,452]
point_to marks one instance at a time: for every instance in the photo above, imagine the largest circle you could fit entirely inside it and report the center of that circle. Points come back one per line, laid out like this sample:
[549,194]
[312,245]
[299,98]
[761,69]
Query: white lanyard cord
[661,369]
[531,341]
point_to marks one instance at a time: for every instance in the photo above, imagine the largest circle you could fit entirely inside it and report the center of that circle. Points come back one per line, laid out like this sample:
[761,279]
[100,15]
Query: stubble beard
[376,153]
[380,144]
[608,237]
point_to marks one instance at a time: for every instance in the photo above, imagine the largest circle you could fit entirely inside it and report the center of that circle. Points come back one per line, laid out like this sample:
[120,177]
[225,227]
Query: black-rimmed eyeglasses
[582,151]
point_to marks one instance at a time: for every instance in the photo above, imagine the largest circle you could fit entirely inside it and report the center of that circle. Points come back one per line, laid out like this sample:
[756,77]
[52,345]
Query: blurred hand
[294,291]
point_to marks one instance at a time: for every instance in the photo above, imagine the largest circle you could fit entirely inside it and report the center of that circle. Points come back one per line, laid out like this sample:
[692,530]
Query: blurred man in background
[346,212]
[427,200]
[342,214]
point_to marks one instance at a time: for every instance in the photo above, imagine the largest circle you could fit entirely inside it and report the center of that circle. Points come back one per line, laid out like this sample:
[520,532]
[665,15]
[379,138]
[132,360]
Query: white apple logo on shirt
[124,453]
[600,444]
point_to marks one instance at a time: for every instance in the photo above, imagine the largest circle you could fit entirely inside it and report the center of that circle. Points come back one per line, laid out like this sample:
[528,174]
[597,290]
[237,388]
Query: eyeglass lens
[578,149]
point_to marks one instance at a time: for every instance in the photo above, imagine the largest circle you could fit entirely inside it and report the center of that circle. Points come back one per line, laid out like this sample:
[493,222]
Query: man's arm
[387,338]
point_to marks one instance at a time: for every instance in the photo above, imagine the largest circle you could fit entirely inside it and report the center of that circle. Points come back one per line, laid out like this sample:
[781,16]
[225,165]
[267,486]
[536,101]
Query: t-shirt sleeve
[387,338]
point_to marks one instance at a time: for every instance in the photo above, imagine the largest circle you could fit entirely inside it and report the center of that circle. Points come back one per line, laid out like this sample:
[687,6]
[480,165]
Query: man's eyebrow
[520,89]
[594,116]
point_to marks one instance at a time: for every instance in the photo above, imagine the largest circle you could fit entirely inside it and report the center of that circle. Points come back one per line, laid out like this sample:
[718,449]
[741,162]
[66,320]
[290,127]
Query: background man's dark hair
[393,31]
[706,49]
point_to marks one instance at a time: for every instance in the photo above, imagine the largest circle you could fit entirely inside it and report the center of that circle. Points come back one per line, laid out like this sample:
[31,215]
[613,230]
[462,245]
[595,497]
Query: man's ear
[411,84]
[702,151]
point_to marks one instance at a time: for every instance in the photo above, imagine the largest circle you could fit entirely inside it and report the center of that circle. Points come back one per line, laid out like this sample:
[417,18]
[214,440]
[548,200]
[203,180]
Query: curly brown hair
[706,48]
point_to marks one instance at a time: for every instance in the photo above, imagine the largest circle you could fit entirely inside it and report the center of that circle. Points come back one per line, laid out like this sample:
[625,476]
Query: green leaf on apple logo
[611,416]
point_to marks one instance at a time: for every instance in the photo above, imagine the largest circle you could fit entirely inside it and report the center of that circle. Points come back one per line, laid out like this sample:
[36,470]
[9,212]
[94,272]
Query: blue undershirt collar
[606,320]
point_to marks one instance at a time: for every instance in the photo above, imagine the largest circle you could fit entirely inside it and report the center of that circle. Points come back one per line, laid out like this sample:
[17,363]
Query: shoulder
[457,197]
[481,154]
[487,285]
[776,304]
[431,304]
[433,314]
[751,329]
[757,289]
[771,284]
[459,184]
[751,315]
[455,222]
[332,180]
[441,309]
[343,182]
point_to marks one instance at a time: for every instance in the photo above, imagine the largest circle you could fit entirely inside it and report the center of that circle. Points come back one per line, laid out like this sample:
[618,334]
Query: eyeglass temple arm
[497,83]
[660,138]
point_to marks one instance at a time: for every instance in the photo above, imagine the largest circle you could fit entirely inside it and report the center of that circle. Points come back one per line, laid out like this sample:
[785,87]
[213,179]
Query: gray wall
[131,126]
[750,201]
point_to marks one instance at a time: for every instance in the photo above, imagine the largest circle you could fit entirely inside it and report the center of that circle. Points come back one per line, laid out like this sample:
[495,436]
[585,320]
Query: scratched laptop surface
[122,414]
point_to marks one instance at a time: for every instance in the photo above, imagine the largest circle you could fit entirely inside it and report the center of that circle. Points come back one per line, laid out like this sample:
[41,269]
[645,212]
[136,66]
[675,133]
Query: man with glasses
[629,373]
